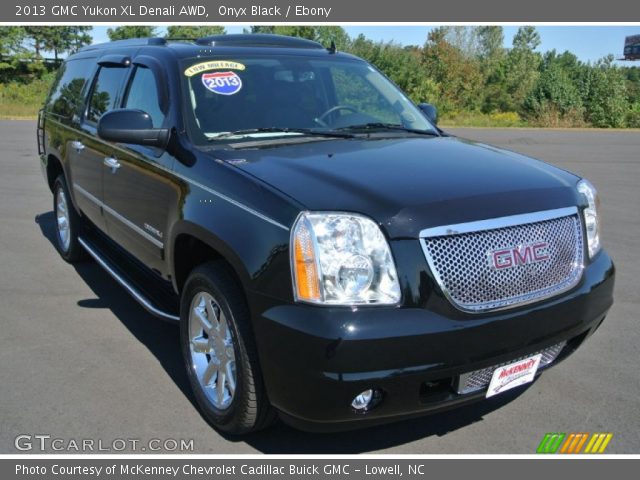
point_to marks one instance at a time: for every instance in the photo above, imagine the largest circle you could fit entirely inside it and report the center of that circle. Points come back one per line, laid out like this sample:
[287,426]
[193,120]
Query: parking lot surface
[79,359]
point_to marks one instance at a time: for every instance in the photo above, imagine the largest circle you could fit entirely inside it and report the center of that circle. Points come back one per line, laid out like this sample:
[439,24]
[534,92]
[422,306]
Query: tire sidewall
[226,419]
[75,249]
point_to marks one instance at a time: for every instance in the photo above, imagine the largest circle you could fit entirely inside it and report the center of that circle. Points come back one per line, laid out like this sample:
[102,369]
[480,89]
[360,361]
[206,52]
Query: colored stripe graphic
[550,442]
[598,443]
[573,442]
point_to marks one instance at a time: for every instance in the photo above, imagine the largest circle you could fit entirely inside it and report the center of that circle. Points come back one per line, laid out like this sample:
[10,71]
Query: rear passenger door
[140,192]
[88,152]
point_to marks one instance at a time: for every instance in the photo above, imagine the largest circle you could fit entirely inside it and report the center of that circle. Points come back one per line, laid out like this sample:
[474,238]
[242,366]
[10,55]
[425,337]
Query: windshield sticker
[212,65]
[223,83]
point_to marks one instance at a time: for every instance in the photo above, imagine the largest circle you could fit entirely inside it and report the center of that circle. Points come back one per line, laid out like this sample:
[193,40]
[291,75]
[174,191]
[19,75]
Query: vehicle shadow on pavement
[161,339]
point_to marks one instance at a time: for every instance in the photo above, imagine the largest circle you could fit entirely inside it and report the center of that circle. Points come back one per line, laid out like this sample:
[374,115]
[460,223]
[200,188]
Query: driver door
[138,186]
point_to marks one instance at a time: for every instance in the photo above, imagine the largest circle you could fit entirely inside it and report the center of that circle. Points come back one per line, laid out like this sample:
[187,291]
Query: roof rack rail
[257,40]
[181,39]
[130,42]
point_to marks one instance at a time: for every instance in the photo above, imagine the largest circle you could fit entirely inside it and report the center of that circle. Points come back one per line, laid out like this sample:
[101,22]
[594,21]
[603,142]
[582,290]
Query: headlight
[591,219]
[342,259]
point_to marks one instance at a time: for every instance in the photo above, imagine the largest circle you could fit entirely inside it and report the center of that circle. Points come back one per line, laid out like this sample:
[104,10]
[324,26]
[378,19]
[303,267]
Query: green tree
[491,54]
[555,100]
[319,33]
[565,60]
[632,75]
[131,31]
[633,116]
[326,34]
[53,39]
[526,38]
[262,29]
[37,35]
[520,69]
[11,41]
[490,43]
[11,49]
[193,31]
[302,31]
[80,37]
[58,39]
[401,64]
[464,39]
[604,93]
[16,61]
[457,75]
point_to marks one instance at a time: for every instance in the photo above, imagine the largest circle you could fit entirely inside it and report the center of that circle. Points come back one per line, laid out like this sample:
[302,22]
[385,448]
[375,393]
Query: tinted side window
[66,99]
[143,95]
[105,92]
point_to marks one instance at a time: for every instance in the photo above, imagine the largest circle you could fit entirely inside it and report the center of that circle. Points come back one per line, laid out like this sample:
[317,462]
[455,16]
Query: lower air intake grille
[479,379]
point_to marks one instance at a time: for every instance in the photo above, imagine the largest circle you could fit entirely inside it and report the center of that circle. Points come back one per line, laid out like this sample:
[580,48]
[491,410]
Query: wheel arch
[192,245]
[54,169]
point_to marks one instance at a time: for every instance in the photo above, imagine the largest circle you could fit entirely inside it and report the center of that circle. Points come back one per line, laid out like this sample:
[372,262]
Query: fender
[57,137]
[257,250]
[208,238]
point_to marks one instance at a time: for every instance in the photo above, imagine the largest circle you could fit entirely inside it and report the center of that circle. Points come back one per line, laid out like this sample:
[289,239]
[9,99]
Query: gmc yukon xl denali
[331,255]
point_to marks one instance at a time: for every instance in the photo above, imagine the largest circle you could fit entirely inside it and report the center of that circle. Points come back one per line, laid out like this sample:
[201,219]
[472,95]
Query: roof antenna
[332,48]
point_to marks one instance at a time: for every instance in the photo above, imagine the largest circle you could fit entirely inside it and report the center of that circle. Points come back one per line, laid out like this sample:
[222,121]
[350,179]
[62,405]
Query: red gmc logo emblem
[520,255]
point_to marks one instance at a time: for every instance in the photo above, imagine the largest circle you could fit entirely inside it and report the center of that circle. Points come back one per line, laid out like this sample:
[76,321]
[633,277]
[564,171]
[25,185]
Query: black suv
[331,255]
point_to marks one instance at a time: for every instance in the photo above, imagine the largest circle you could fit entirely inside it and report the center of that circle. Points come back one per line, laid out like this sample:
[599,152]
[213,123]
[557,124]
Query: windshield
[263,97]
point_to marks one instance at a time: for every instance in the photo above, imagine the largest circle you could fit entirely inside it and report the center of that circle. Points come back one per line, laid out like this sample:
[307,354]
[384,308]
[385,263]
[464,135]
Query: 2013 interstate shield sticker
[222,83]
[226,82]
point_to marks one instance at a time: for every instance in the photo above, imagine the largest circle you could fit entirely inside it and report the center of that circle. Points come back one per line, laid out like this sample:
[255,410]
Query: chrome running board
[139,297]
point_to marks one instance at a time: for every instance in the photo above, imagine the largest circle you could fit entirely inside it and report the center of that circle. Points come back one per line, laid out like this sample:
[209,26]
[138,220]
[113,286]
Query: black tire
[249,409]
[69,249]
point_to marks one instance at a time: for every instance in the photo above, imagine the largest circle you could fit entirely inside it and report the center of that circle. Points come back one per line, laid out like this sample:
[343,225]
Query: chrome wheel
[213,356]
[62,216]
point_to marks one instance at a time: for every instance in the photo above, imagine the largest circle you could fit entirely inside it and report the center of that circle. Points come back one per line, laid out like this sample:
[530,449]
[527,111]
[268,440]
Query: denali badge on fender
[338,279]
[521,255]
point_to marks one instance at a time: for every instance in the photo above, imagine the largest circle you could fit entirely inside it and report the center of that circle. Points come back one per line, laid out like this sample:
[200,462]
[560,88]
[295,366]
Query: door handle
[77,145]
[112,163]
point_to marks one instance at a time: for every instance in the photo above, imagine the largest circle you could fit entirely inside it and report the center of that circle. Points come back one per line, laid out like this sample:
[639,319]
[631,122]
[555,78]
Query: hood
[408,184]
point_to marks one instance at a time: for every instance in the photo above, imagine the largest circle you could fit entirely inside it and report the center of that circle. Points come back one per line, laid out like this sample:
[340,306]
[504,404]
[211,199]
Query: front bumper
[315,360]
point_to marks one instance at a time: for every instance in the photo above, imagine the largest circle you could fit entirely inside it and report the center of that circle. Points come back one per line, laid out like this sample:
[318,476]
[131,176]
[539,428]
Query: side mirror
[430,111]
[132,126]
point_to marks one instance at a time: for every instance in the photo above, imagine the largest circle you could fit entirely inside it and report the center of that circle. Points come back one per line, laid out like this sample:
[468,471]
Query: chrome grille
[460,259]
[480,379]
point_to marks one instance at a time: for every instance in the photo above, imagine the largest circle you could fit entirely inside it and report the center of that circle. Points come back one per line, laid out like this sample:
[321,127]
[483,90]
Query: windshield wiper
[304,131]
[387,126]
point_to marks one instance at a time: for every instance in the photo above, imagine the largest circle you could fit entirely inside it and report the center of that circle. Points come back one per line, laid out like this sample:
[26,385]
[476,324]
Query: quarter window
[66,97]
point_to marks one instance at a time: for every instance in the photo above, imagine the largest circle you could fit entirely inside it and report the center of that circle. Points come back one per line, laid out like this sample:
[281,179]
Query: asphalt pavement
[79,359]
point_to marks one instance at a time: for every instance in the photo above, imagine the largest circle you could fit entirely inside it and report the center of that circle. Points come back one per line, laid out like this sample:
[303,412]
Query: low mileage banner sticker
[213,65]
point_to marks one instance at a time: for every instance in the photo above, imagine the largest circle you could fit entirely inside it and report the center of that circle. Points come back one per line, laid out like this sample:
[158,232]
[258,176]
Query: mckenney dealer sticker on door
[513,375]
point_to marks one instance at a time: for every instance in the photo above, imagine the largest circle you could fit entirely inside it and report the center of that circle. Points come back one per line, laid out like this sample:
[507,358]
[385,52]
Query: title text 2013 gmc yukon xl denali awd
[330,254]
